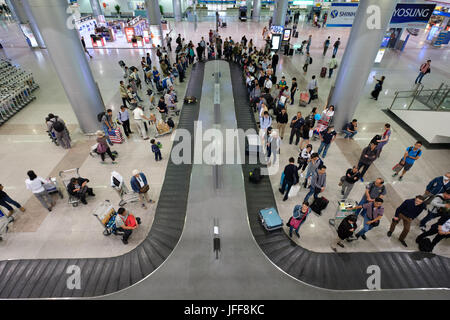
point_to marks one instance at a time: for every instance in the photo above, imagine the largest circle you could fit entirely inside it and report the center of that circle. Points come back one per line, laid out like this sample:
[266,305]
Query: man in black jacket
[275,59]
[282,120]
[78,188]
[368,155]
[290,178]
[344,231]
[296,124]
[441,229]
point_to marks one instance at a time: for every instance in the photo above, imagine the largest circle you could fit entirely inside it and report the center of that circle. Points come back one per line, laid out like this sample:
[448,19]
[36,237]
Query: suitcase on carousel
[270,219]
[116,136]
[323,72]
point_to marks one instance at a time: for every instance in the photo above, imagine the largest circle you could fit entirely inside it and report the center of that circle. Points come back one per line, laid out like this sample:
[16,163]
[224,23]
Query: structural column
[154,16]
[279,14]
[256,10]
[177,10]
[96,8]
[22,12]
[248,4]
[359,56]
[69,60]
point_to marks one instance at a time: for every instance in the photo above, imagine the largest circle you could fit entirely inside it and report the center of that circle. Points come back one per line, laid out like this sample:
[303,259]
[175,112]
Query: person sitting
[126,222]
[78,188]
[351,129]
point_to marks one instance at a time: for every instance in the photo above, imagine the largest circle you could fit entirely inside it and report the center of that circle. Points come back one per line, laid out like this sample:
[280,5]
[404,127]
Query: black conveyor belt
[45,278]
[340,271]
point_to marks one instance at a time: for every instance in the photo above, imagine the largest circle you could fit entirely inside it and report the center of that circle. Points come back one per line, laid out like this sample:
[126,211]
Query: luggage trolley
[51,185]
[65,176]
[106,215]
[4,222]
[343,211]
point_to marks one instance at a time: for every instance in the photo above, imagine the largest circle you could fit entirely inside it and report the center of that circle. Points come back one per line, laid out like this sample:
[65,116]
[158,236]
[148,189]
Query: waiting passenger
[78,188]
[298,218]
[139,185]
[345,230]
[372,216]
[36,185]
[126,222]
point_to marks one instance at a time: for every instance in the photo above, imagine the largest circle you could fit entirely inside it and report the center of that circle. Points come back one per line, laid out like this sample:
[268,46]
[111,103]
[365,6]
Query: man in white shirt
[268,84]
[312,88]
[139,117]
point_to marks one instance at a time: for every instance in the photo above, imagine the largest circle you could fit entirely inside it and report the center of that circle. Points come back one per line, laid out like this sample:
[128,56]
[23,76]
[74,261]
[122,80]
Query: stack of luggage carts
[16,87]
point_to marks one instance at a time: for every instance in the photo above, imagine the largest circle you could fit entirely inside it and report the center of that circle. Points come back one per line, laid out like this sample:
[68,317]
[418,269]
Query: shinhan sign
[406,15]
[411,15]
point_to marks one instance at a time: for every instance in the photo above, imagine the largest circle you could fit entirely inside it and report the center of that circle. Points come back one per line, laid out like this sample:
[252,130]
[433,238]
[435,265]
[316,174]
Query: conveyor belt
[44,278]
[341,271]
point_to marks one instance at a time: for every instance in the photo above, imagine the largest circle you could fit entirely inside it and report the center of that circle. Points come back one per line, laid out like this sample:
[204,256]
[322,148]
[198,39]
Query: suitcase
[319,204]
[291,52]
[224,24]
[296,34]
[255,175]
[270,219]
[304,98]
[323,72]
[121,63]
[116,136]
[425,245]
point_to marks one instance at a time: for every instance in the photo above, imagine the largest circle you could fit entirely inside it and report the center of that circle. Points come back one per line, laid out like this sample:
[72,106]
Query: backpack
[417,152]
[375,139]
[170,123]
[100,116]
[58,126]
[425,245]
[310,60]
[255,175]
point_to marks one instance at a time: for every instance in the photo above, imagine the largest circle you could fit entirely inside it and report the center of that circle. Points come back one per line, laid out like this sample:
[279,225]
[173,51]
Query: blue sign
[411,15]
[441,13]
[342,14]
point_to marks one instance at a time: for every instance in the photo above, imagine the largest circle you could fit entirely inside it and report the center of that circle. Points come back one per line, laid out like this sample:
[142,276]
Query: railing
[423,99]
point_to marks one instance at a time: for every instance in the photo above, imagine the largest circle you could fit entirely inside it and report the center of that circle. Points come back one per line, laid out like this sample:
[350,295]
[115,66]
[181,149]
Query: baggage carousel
[177,259]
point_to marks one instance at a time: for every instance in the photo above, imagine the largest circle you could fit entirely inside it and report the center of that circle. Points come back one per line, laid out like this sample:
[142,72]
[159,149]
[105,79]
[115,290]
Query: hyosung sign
[411,15]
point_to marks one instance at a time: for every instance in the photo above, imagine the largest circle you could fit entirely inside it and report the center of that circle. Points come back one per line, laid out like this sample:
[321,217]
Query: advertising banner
[411,15]
[342,14]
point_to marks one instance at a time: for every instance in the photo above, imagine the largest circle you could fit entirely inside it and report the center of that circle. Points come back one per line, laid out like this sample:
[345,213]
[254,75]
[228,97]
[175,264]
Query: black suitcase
[319,204]
[291,52]
[323,72]
[255,175]
[296,34]
[425,245]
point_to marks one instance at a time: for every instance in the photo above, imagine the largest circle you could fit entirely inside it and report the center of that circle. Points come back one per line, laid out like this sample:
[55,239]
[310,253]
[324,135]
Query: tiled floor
[74,232]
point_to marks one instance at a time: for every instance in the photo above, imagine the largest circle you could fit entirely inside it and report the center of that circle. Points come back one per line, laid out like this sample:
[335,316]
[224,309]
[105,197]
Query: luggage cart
[65,177]
[51,185]
[160,133]
[343,211]
[125,195]
[106,215]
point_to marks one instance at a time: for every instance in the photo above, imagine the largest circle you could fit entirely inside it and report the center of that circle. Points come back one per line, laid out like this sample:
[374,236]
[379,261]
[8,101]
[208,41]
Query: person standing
[348,181]
[83,43]
[124,119]
[123,93]
[298,218]
[407,212]
[333,64]
[140,185]
[372,215]
[296,124]
[107,124]
[326,44]
[345,230]
[336,46]
[5,200]
[410,156]
[351,129]
[308,44]
[275,59]
[314,163]
[305,134]
[58,127]
[312,89]
[139,117]
[439,206]
[102,147]
[327,138]
[290,178]
[378,87]
[293,89]
[318,182]
[304,158]
[156,149]
[424,69]
[438,185]
[375,189]
[36,185]
[282,120]
[384,139]
[368,156]
[307,62]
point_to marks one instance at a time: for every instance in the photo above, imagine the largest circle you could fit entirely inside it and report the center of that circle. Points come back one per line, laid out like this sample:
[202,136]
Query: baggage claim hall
[224,150]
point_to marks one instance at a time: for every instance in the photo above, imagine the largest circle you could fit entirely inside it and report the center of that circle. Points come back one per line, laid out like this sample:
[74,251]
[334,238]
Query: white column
[279,14]
[69,60]
[256,9]
[359,56]
[177,10]
[21,11]
[96,8]
[154,15]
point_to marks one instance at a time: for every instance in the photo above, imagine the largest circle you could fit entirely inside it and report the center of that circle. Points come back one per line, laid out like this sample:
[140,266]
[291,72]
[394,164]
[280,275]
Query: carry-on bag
[319,204]
[425,245]
[115,135]
[323,72]
[270,219]
[304,98]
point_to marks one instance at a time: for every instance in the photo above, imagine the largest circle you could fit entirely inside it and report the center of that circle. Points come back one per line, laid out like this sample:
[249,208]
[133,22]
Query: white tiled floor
[74,232]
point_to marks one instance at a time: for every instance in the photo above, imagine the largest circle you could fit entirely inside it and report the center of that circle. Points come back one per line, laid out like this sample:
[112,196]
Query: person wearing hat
[103,147]
[139,185]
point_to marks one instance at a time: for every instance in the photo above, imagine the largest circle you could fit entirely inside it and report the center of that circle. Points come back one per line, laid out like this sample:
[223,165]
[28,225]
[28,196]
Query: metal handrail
[443,89]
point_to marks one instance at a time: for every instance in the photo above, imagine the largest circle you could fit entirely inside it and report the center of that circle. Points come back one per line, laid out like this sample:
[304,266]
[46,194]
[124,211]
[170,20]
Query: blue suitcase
[270,219]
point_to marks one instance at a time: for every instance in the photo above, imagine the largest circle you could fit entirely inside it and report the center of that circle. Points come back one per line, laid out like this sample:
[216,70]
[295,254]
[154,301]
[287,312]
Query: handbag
[295,223]
[144,189]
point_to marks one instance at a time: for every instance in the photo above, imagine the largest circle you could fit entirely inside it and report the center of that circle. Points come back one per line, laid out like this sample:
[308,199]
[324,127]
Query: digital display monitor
[276,41]
[287,34]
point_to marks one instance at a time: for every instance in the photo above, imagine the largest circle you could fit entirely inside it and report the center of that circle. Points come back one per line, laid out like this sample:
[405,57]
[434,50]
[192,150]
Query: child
[156,146]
